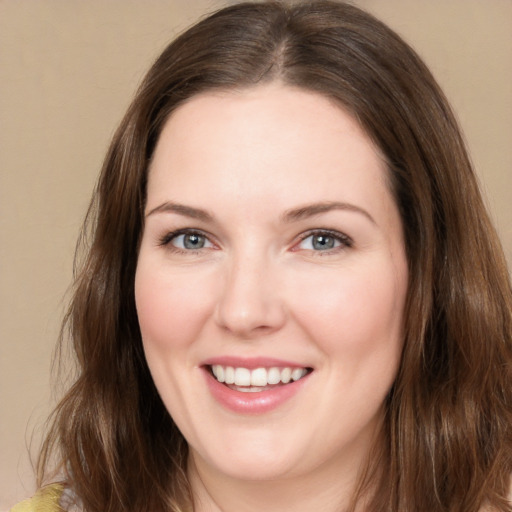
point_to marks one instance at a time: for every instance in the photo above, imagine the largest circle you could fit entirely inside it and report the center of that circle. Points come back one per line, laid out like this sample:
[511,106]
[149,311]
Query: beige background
[67,72]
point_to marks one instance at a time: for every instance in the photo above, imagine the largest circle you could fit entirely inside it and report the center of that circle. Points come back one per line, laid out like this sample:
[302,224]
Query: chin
[251,460]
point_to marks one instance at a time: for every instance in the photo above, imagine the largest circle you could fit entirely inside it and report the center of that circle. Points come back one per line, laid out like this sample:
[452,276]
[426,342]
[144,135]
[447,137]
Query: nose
[250,302]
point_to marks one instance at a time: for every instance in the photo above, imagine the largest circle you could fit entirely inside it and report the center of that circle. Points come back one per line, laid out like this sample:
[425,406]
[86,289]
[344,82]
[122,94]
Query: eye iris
[322,242]
[193,241]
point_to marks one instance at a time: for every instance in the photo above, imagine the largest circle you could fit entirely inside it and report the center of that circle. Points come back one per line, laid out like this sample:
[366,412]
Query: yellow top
[45,500]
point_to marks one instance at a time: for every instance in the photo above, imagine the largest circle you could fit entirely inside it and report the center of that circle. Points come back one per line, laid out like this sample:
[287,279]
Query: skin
[259,287]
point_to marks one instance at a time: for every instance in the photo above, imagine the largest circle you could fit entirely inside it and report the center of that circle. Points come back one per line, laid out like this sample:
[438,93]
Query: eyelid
[344,240]
[166,239]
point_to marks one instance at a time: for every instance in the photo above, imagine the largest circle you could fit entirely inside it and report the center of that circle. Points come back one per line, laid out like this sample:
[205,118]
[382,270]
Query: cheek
[170,308]
[354,312]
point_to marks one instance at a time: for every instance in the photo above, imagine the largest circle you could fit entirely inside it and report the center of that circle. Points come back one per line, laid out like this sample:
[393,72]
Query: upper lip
[252,362]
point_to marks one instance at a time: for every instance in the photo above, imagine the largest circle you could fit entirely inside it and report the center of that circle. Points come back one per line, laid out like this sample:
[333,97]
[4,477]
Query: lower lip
[253,403]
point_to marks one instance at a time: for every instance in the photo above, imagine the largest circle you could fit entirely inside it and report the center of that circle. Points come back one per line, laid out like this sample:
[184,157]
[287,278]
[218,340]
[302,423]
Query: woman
[293,296]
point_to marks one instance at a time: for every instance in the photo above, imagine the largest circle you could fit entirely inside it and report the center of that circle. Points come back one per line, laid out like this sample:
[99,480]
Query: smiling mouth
[258,379]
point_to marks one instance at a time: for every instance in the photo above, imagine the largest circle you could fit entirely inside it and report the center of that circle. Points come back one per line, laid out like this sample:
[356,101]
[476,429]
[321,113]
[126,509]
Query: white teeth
[242,377]
[229,375]
[218,371]
[273,376]
[249,389]
[286,375]
[298,373]
[257,379]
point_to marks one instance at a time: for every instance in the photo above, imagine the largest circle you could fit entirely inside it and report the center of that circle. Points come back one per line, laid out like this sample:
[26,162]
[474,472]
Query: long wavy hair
[448,423]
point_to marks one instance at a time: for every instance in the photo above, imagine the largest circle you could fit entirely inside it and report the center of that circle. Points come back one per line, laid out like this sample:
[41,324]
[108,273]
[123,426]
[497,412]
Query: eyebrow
[311,210]
[293,215]
[181,209]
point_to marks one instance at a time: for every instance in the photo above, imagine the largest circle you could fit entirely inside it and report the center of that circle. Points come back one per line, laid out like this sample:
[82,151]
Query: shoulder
[45,500]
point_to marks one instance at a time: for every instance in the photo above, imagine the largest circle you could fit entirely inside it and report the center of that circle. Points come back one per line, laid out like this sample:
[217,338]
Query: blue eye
[324,241]
[187,240]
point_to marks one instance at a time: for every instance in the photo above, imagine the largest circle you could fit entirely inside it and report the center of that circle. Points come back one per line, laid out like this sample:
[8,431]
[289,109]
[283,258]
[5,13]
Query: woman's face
[272,251]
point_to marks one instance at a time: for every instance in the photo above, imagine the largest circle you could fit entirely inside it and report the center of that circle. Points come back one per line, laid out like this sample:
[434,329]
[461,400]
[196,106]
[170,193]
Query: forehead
[260,135]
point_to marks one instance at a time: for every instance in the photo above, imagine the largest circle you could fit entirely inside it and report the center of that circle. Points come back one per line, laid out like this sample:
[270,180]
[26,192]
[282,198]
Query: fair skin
[272,245]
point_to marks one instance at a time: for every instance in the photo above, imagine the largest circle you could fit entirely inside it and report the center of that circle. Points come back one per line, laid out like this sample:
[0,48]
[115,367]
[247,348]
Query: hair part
[447,431]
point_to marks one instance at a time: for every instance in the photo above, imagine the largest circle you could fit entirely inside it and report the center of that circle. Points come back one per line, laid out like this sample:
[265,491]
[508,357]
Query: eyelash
[344,241]
[166,240]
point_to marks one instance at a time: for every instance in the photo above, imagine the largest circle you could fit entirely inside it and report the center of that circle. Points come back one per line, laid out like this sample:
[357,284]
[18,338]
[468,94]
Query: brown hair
[448,421]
